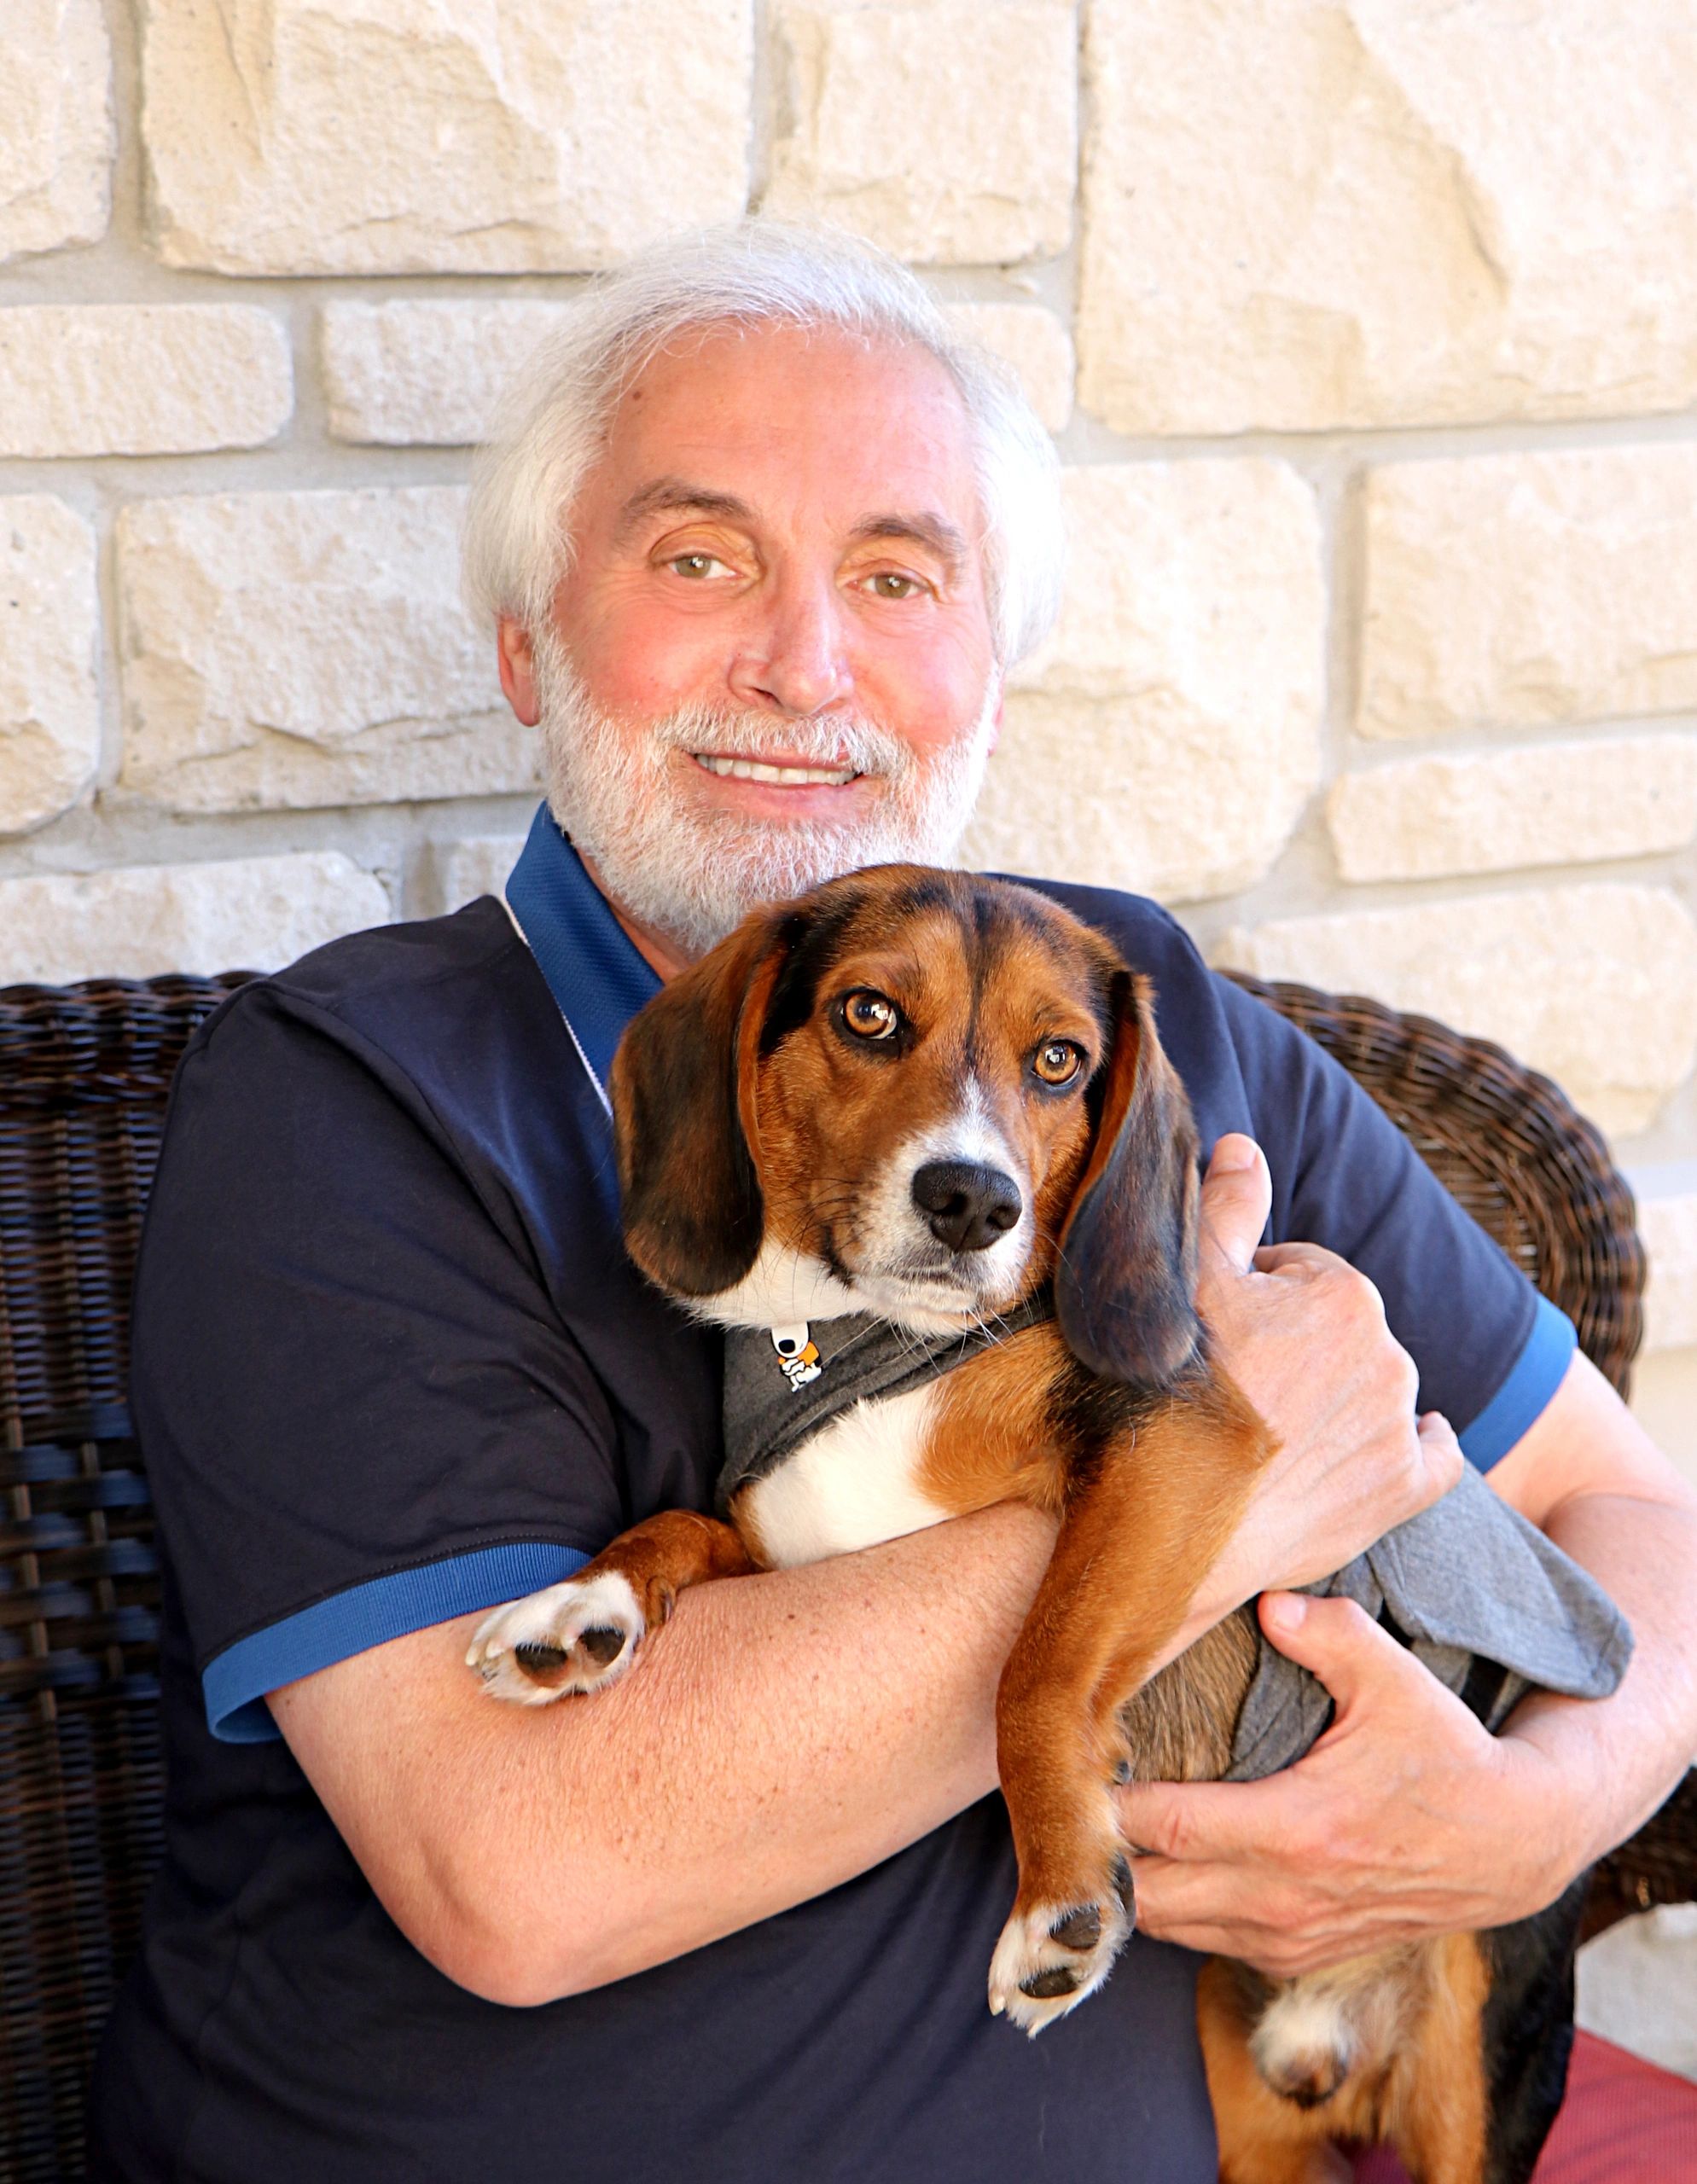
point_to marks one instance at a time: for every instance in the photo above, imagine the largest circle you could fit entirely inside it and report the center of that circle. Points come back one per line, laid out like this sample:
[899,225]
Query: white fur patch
[852,1484]
[1305,2033]
[782,1288]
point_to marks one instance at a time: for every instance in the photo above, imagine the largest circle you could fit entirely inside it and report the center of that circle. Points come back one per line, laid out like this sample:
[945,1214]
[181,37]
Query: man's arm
[783,1733]
[779,1736]
[1406,1818]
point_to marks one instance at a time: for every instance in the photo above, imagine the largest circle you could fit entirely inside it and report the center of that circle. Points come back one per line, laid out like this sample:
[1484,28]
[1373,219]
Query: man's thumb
[1336,1642]
[1237,1196]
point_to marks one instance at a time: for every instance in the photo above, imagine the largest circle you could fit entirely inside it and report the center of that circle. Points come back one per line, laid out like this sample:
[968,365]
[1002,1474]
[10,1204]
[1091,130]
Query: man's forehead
[735,419]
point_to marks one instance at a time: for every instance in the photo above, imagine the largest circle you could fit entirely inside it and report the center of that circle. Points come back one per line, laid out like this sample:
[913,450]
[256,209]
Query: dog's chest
[831,1430]
[853,1481]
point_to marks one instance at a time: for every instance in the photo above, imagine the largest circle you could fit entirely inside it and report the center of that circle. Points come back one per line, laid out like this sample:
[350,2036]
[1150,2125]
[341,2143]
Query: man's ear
[682,1091]
[515,661]
[1126,1277]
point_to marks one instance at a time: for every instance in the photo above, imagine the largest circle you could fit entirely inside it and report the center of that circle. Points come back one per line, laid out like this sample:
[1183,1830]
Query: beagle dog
[934,1102]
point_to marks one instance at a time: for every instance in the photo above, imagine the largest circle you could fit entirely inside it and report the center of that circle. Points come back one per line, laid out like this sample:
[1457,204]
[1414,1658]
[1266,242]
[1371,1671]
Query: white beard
[693,875]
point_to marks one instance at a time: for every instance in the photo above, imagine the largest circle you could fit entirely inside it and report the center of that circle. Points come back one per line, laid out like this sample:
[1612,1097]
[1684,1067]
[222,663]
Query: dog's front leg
[580,1636]
[1145,1518]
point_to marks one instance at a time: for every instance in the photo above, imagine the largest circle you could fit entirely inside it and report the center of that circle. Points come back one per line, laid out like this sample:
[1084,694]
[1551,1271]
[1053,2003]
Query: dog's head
[927,1090]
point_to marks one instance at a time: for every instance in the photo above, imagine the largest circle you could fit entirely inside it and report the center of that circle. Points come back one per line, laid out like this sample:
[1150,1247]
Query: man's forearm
[1619,1756]
[780,1735]
[1587,1474]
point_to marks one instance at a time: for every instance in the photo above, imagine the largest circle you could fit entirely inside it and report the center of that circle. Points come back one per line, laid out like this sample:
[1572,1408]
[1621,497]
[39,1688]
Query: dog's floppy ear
[1125,1281]
[683,1087]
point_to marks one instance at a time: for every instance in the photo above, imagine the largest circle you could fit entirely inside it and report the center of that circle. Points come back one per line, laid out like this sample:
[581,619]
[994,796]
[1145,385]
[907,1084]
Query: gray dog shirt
[1489,1605]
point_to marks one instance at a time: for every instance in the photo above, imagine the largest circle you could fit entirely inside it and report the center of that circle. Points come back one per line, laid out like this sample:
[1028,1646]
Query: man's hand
[1304,1335]
[1375,1838]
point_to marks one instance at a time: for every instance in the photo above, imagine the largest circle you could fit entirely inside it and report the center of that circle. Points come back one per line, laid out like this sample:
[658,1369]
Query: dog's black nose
[965,1205]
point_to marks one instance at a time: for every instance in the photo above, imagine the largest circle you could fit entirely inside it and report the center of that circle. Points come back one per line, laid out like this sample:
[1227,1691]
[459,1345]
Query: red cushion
[1623,2122]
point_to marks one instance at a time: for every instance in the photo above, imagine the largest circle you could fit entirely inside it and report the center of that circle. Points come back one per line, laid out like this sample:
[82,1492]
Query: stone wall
[1367,329]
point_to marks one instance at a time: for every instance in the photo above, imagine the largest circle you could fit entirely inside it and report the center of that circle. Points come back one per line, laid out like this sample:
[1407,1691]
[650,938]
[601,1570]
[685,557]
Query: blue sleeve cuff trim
[1533,1379]
[235,1681]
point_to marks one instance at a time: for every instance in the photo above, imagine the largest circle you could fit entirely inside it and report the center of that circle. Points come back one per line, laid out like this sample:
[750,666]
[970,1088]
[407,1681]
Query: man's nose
[795,657]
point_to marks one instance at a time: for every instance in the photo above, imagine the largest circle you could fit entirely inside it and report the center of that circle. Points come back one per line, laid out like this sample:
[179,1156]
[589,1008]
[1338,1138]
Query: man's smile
[785,773]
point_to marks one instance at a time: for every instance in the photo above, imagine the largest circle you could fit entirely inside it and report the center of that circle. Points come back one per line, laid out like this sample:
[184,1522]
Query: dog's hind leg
[1262,2139]
[1437,2099]
[1528,2031]
[580,1636]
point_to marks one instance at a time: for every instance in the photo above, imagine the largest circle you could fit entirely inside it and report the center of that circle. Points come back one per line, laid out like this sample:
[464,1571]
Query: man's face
[777,566]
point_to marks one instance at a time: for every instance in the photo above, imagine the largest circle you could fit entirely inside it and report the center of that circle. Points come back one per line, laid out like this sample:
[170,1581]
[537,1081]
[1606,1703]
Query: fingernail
[1284,1610]
[1233,1155]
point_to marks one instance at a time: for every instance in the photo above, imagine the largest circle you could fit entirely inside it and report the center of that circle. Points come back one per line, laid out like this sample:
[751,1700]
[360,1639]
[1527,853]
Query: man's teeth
[752,769]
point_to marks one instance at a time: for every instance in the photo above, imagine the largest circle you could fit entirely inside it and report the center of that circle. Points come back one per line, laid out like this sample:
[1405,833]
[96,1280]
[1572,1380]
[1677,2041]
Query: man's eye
[868,1015]
[891,584]
[1058,1061]
[698,565]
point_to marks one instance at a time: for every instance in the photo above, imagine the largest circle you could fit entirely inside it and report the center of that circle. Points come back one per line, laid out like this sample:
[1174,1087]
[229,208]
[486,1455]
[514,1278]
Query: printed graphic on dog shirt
[798,1354]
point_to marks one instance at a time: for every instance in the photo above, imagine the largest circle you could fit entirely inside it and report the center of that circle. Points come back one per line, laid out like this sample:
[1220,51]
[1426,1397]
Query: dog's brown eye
[1057,1062]
[869,1016]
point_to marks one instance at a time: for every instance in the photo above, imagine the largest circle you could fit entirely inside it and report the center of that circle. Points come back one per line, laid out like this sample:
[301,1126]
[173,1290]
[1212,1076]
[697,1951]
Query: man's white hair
[553,424]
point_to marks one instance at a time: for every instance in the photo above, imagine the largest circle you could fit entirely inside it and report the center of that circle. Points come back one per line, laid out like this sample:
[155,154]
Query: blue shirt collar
[597,977]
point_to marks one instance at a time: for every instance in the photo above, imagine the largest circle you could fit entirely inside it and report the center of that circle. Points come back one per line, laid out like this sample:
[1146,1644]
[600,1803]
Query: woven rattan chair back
[83,1079]
[1509,1145]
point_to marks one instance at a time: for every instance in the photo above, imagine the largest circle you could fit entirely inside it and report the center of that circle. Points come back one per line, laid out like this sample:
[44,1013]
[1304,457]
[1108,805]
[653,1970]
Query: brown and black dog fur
[773,1106]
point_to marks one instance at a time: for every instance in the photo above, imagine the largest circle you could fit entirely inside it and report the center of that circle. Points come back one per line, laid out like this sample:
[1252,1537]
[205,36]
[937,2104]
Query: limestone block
[1304,214]
[1167,735]
[242,914]
[421,136]
[945,129]
[1596,985]
[49,702]
[307,648]
[1510,590]
[1035,345]
[1667,1221]
[478,865]
[427,373]
[141,379]
[1553,804]
[1637,1986]
[55,124]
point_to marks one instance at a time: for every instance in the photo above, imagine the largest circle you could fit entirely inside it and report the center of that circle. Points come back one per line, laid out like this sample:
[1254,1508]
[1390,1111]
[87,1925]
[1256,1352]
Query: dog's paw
[1052,1955]
[578,1636]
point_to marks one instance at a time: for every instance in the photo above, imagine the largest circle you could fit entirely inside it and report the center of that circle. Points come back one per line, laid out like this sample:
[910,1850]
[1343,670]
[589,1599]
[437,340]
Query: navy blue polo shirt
[392,1365]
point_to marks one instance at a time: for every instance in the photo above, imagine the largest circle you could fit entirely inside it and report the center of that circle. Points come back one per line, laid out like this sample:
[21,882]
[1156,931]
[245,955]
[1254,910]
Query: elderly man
[759,545]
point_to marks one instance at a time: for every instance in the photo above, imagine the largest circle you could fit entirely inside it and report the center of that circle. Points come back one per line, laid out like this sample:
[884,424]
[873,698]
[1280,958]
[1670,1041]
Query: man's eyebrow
[944,538]
[677,495]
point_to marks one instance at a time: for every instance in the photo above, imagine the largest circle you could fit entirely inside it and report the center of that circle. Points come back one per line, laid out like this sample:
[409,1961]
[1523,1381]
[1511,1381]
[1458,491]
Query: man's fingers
[1278,1258]
[1195,1820]
[1336,1642]
[1237,1196]
[1441,1452]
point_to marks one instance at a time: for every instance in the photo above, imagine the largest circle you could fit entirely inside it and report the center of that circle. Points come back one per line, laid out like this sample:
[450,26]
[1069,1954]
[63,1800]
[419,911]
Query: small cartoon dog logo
[798,1354]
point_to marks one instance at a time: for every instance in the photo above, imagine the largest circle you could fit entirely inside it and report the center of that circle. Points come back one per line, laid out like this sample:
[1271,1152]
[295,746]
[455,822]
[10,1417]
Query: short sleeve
[1491,1352]
[360,1412]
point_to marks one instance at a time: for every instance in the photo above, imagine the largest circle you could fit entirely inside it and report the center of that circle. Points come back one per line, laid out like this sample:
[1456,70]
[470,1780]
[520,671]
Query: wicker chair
[83,1078]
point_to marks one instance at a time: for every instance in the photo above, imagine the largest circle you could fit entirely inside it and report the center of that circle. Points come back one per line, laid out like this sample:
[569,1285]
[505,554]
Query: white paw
[573,1628]
[1052,1957]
